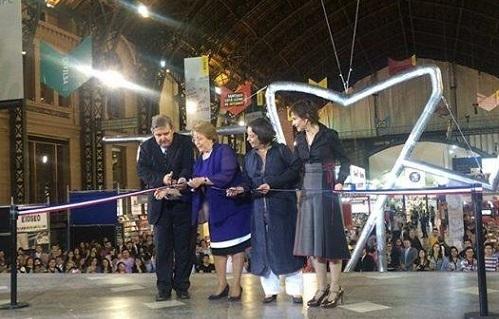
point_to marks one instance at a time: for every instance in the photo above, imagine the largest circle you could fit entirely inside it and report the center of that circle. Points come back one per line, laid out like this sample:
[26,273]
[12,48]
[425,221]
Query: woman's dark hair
[306,110]
[263,129]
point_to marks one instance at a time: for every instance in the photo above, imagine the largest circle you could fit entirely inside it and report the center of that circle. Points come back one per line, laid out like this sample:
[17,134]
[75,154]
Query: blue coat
[273,221]
[228,218]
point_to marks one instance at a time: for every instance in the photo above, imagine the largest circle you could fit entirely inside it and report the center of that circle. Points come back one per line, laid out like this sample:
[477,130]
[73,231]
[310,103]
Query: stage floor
[368,295]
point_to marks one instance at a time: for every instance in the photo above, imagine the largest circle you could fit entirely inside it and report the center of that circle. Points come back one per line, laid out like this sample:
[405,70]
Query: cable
[353,42]
[461,132]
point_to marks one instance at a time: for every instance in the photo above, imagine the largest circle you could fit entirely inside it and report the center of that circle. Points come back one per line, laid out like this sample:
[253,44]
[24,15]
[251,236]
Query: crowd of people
[409,248]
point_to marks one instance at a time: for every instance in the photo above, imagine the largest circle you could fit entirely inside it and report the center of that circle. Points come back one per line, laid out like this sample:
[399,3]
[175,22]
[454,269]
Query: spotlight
[191,106]
[143,10]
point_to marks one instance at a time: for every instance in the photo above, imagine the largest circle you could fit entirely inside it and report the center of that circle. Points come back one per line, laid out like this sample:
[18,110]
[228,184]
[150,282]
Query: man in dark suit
[408,256]
[167,159]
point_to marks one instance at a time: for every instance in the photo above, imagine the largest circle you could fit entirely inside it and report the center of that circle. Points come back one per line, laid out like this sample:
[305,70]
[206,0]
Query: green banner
[61,71]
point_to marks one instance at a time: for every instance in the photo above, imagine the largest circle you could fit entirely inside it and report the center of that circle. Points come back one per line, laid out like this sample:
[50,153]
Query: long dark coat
[273,220]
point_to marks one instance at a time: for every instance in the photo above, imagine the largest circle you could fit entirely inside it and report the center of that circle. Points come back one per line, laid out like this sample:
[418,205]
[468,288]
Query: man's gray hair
[162,121]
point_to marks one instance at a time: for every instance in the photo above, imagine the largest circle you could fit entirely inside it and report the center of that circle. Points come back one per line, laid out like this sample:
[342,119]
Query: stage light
[162,63]
[143,11]
[191,106]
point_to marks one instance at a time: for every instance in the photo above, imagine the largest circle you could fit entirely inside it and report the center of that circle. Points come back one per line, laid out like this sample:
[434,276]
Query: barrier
[476,192]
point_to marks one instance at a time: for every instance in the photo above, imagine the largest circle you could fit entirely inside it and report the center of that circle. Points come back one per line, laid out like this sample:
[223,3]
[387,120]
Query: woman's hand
[338,187]
[234,191]
[264,188]
[196,182]
[168,193]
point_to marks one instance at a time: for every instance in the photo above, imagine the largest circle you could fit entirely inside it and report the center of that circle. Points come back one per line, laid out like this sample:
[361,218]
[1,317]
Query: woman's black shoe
[236,298]
[269,299]
[221,295]
[315,302]
[338,299]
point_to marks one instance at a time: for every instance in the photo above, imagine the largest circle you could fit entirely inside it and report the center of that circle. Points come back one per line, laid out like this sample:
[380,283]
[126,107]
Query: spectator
[127,260]
[139,266]
[408,256]
[491,260]
[121,268]
[453,262]
[52,268]
[469,262]
[422,263]
[106,266]
[205,265]
[436,257]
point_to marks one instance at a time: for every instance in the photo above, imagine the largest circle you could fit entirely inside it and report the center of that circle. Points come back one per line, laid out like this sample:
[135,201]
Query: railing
[479,122]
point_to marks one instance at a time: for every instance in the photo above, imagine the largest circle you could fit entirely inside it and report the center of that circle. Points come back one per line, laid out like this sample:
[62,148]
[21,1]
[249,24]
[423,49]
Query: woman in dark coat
[320,231]
[268,166]
[228,218]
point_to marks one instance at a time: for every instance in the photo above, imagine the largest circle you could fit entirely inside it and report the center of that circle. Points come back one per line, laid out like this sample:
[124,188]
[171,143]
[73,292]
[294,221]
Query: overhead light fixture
[143,11]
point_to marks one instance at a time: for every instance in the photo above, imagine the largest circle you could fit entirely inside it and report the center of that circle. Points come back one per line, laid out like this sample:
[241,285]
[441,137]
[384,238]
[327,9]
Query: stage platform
[368,295]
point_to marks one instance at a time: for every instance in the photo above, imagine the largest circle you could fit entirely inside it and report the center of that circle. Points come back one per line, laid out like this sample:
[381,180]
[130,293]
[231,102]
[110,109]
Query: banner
[395,66]
[60,71]
[488,103]
[32,223]
[11,47]
[197,90]
[322,83]
[237,101]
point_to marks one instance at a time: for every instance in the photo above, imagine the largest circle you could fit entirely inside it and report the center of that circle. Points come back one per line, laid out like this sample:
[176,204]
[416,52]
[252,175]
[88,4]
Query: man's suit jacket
[407,259]
[153,165]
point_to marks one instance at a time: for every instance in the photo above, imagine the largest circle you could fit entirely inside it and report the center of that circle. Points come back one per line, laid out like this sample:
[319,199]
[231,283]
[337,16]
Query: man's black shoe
[163,297]
[183,295]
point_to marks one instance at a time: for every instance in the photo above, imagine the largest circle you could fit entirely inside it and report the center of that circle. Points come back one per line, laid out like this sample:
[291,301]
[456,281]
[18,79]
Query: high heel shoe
[316,301]
[223,294]
[338,299]
[236,298]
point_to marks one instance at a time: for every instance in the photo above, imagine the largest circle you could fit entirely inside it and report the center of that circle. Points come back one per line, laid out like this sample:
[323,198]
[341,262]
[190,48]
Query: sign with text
[237,101]
[197,90]
[32,223]
[11,48]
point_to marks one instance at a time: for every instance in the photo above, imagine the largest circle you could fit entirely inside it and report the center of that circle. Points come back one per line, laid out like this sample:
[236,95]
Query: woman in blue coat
[270,166]
[228,218]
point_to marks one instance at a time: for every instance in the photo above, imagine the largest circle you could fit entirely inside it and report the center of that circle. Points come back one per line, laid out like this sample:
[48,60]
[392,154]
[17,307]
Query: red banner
[237,101]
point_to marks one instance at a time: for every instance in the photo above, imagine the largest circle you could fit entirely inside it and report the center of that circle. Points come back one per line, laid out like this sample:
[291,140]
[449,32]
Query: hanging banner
[322,83]
[488,103]
[197,90]
[237,101]
[61,71]
[32,223]
[11,48]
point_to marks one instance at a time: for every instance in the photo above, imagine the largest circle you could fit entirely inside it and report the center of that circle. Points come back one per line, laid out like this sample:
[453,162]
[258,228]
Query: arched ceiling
[267,40]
